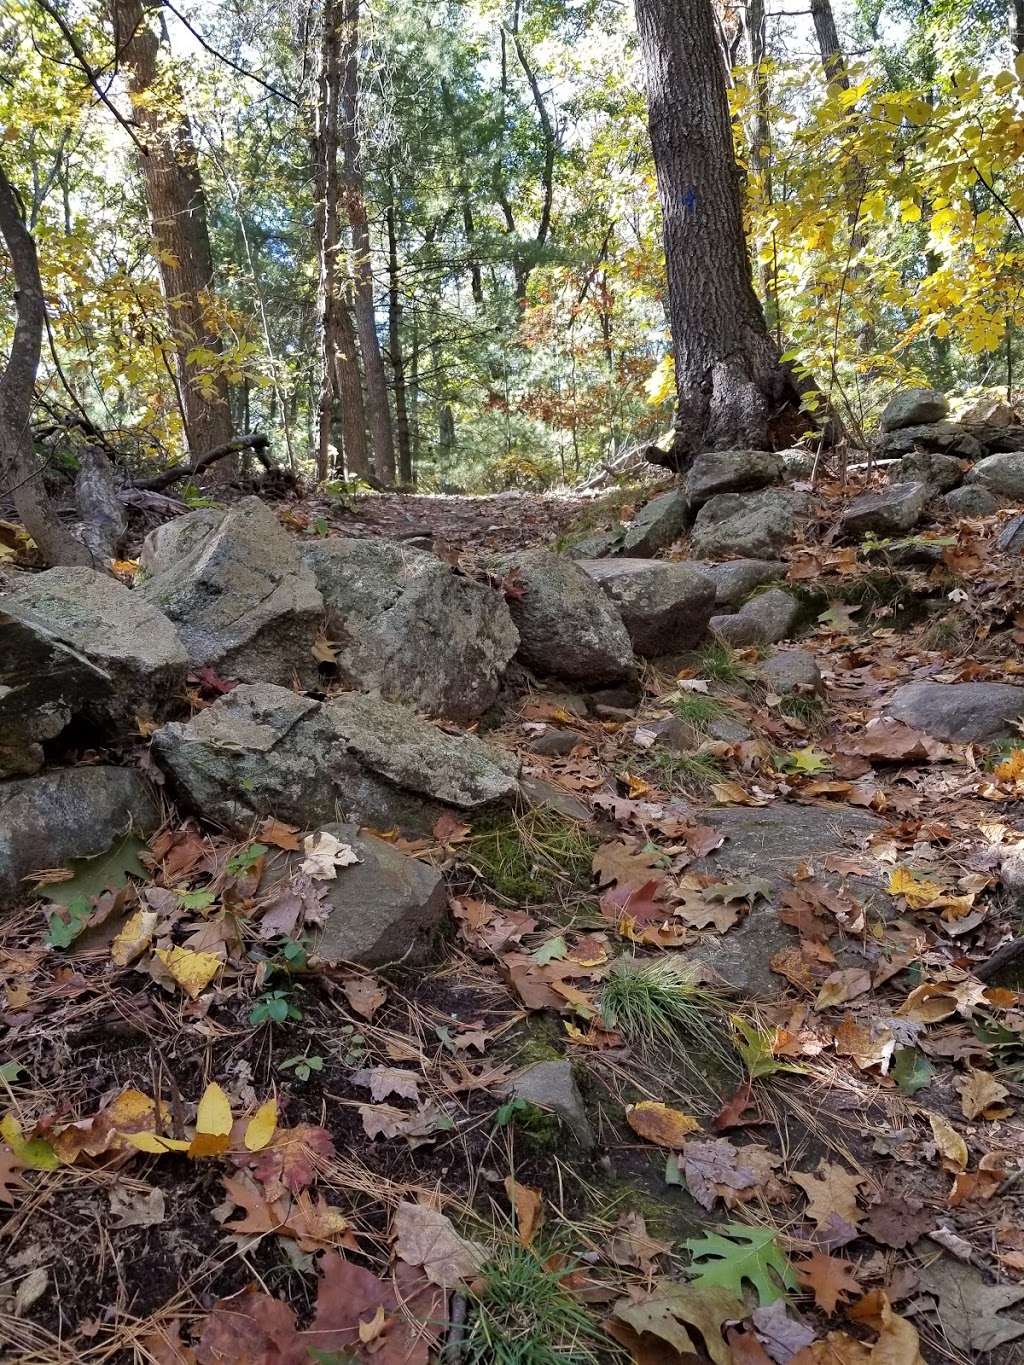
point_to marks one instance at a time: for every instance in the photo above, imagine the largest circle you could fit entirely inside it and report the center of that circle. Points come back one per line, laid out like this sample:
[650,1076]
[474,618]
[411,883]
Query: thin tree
[733,390]
[177,215]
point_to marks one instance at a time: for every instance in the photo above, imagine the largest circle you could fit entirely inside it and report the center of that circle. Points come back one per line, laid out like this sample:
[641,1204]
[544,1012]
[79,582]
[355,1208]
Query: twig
[456,1330]
[1001,958]
[255,442]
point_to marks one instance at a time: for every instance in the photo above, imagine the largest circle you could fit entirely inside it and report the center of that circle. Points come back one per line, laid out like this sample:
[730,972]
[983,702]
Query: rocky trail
[525,929]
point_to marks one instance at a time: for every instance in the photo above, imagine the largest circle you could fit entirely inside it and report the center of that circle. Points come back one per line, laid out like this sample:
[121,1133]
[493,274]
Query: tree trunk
[378,411]
[828,42]
[339,364]
[177,214]
[395,351]
[732,388]
[19,475]
[1017,27]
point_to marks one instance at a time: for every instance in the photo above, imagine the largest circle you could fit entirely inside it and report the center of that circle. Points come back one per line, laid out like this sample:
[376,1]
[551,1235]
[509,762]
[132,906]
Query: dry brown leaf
[365,994]
[951,1145]
[426,1237]
[981,1096]
[831,1193]
[631,1245]
[829,1278]
[626,865]
[843,985]
[711,1168]
[529,1209]
[660,1124]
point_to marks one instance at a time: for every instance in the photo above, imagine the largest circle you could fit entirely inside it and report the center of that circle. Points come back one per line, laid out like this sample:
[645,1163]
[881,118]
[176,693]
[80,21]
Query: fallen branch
[255,442]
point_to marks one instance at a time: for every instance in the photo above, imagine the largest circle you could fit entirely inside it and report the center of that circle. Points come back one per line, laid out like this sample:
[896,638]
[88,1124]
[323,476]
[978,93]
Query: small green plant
[196,900]
[240,863]
[700,710]
[718,662]
[303,1065]
[273,1007]
[798,706]
[351,1045]
[694,771]
[509,1110]
[755,1047]
[523,1313]
[63,932]
[528,858]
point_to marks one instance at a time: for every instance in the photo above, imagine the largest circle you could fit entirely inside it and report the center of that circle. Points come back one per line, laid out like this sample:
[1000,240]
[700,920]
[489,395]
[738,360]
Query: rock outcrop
[730,471]
[665,605]
[747,525]
[763,620]
[959,713]
[892,510]
[913,407]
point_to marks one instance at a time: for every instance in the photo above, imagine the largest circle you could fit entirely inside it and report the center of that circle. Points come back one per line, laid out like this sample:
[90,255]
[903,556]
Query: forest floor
[842,1168]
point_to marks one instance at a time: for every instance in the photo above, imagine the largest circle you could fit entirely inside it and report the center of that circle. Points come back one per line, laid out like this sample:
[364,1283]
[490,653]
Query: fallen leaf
[832,1192]
[951,1145]
[192,971]
[784,1336]
[137,1208]
[631,1245]
[280,835]
[529,1209]
[735,1254]
[383,1081]
[663,1312]
[896,1223]
[365,994]
[324,855]
[829,1278]
[213,1123]
[659,1124]
[425,1237]
[261,1127]
[969,1310]
[625,865]
[981,1096]
[713,1167]
[841,986]
[134,938]
[917,891]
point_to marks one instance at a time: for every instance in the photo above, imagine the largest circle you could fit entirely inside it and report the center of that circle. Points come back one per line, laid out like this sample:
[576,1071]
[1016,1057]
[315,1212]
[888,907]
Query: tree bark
[1017,27]
[177,214]
[378,411]
[395,351]
[19,475]
[733,391]
[832,58]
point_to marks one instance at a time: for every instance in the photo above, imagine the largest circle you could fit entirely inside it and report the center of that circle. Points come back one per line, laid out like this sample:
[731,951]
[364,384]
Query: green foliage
[755,1047]
[531,857]
[303,1065]
[273,1007]
[699,710]
[64,929]
[735,1254]
[240,863]
[695,771]
[720,664]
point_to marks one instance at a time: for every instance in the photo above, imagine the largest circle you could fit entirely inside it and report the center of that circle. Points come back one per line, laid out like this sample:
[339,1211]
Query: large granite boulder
[244,603]
[665,605]
[736,579]
[972,501]
[888,512]
[946,438]
[1002,475]
[54,817]
[730,471]
[117,630]
[406,627]
[959,713]
[264,750]
[176,540]
[765,619]
[913,407]
[748,525]
[939,472]
[567,626]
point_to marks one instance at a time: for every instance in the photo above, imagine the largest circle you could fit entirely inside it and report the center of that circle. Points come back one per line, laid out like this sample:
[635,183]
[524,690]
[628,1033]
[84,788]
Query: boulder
[385,908]
[941,472]
[665,605]
[764,619]
[660,522]
[959,713]
[43,684]
[796,464]
[987,411]
[557,743]
[972,501]
[118,631]
[736,579]
[176,540]
[730,471]
[406,627]
[567,626]
[1002,475]
[886,513]
[244,603]
[748,525]
[999,440]
[596,546]
[791,670]
[54,817]
[552,1086]
[912,407]
[264,750]
[945,438]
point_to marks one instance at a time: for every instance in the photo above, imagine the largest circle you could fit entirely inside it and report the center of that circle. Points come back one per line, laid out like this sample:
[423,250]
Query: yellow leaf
[910,212]
[134,938]
[152,1142]
[32,1152]
[1012,767]
[261,1127]
[949,1142]
[658,1123]
[192,971]
[213,1123]
[919,893]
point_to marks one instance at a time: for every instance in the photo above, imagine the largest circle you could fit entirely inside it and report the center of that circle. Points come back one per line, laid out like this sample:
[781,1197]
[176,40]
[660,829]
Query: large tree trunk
[20,477]
[732,388]
[1017,27]
[828,42]
[378,411]
[177,214]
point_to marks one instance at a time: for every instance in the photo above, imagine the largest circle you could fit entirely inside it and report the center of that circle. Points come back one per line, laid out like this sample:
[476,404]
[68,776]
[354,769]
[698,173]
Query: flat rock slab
[176,540]
[730,471]
[763,620]
[748,525]
[386,908]
[1002,475]
[244,603]
[552,1086]
[959,713]
[949,438]
[911,407]
[889,512]
[665,605]
[941,472]
[50,819]
[736,579]
[406,627]
[263,750]
[567,626]
[792,670]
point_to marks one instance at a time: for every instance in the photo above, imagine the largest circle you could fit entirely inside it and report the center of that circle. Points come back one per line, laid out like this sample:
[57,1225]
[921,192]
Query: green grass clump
[700,710]
[528,859]
[690,772]
[526,1315]
[806,709]
[720,664]
[658,1002]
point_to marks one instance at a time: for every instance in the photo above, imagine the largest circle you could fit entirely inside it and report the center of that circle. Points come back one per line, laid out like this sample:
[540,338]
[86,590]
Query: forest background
[423,241]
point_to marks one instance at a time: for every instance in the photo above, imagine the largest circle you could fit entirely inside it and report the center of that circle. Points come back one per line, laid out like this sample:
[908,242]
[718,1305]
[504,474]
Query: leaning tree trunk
[177,214]
[20,477]
[732,388]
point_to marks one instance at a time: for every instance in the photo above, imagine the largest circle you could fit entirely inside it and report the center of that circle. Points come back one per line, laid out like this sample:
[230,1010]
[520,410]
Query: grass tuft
[719,663]
[806,709]
[530,858]
[526,1315]
[699,710]
[690,772]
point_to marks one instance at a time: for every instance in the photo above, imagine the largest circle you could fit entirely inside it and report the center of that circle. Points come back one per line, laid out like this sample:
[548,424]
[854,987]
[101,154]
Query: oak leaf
[832,1192]
[669,1306]
[829,1278]
[712,1167]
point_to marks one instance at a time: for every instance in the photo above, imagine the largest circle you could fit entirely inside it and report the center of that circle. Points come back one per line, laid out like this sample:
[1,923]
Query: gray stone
[54,817]
[912,407]
[176,540]
[987,411]
[567,626]
[386,908]
[674,734]
[43,684]
[264,750]
[557,743]
[768,843]
[1011,538]
[656,526]
[945,438]
[764,619]
[941,472]
[538,793]
[791,670]
[665,605]
[627,696]
[796,463]
[728,731]
[1002,475]
[959,713]
[552,1086]
[117,630]
[886,513]
[748,525]
[597,546]
[1000,440]
[244,603]
[736,579]
[730,471]
[407,628]
[972,501]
